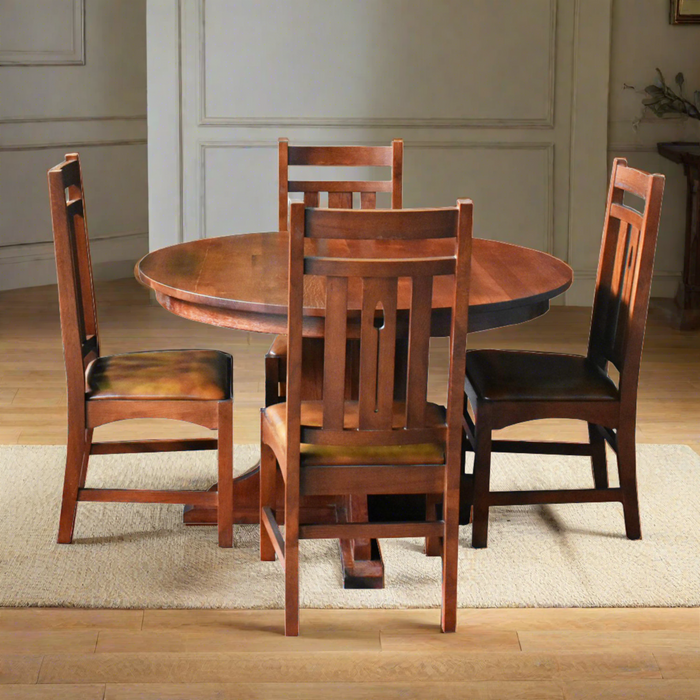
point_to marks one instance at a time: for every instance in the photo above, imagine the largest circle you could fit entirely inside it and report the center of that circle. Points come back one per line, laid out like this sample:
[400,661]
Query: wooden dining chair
[187,385]
[340,196]
[375,444]
[507,387]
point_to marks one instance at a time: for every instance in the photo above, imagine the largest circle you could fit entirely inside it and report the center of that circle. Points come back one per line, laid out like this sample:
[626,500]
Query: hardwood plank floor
[519,654]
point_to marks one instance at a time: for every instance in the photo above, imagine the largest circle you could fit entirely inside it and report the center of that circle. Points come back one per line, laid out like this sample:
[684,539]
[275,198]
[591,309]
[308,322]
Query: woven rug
[142,556]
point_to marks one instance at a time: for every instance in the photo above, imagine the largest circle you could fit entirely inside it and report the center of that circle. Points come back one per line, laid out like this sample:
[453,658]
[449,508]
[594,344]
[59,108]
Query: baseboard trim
[664,285]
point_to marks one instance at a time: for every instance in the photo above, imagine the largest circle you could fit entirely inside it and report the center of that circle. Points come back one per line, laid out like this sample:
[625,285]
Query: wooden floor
[242,655]
[350,655]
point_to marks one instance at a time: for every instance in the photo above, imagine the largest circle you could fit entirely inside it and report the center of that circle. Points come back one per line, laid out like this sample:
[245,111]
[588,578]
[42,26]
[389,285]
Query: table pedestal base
[361,560]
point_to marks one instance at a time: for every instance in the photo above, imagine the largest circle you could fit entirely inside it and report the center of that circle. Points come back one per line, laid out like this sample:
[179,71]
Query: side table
[686,311]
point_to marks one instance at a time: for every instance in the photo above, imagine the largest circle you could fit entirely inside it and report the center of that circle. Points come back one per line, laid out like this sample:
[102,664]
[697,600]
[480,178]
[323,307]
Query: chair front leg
[86,456]
[599,463]
[627,466]
[77,456]
[291,557]
[482,479]
[225,488]
[433,545]
[450,544]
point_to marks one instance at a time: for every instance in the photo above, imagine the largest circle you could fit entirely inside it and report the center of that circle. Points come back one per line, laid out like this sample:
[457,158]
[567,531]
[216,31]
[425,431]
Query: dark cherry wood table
[241,282]
[687,303]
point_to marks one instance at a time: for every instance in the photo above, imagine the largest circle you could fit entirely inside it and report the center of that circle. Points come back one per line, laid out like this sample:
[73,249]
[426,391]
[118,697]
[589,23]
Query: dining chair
[375,444]
[186,385]
[507,387]
[340,196]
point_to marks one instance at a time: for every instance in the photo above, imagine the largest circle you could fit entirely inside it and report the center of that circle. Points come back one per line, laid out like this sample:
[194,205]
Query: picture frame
[685,11]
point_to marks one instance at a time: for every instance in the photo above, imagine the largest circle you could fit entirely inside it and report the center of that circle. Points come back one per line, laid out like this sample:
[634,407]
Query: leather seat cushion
[505,375]
[312,415]
[204,375]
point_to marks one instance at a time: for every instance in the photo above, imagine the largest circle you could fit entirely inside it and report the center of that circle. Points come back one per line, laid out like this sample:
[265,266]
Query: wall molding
[664,284]
[41,133]
[75,55]
[74,144]
[43,250]
[592,273]
[33,264]
[545,122]
[44,120]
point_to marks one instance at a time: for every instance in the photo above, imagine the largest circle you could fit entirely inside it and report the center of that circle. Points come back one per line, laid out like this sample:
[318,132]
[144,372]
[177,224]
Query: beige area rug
[141,556]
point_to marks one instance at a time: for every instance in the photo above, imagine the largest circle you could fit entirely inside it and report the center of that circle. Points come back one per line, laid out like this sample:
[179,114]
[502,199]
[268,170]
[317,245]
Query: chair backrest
[340,193]
[624,274]
[76,293]
[370,260]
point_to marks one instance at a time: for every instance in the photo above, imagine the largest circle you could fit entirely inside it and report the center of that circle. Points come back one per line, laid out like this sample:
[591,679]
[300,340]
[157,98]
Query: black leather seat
[503,375]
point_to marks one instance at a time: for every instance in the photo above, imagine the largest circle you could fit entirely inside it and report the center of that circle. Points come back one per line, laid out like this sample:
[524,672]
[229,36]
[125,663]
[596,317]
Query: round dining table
[240,282]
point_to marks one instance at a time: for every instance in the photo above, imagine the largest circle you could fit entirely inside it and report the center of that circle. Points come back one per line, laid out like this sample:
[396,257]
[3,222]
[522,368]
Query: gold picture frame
[685,11]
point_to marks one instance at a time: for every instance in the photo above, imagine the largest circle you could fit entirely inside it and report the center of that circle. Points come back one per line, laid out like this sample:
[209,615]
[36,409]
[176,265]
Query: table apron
[479,319]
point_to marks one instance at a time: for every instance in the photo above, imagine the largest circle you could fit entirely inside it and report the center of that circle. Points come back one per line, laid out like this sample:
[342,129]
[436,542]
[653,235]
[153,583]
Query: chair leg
[268,483]
[450,555]
[77,455]
[291,559]
[598,457]
[225,488]
[466,484]
[86,456]
[627,466]
[433,545]
[482,478]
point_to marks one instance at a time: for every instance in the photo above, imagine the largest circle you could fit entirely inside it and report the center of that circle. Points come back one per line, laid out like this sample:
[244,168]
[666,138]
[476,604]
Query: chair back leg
[599,463]
[450,557]
[77,456]
[627,466]
[291,558]
[482,479]
[225,488]
[433,545]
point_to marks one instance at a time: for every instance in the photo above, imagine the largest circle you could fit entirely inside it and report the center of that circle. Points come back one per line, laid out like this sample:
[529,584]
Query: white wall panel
[380,62]
[42,32]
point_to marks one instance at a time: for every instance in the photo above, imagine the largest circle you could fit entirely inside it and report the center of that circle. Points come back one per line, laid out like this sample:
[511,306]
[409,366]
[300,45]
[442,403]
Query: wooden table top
[241,282]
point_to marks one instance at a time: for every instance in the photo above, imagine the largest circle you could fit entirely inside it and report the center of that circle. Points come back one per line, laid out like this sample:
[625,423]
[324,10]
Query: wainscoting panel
[50,32]
[385,62]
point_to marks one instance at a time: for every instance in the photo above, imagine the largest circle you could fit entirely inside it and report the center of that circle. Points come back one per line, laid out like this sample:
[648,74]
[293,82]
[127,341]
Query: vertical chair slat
[335,332]
[397,174]
[283,182]
[418,351]
[311,199]
[340,200]
[368,200]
